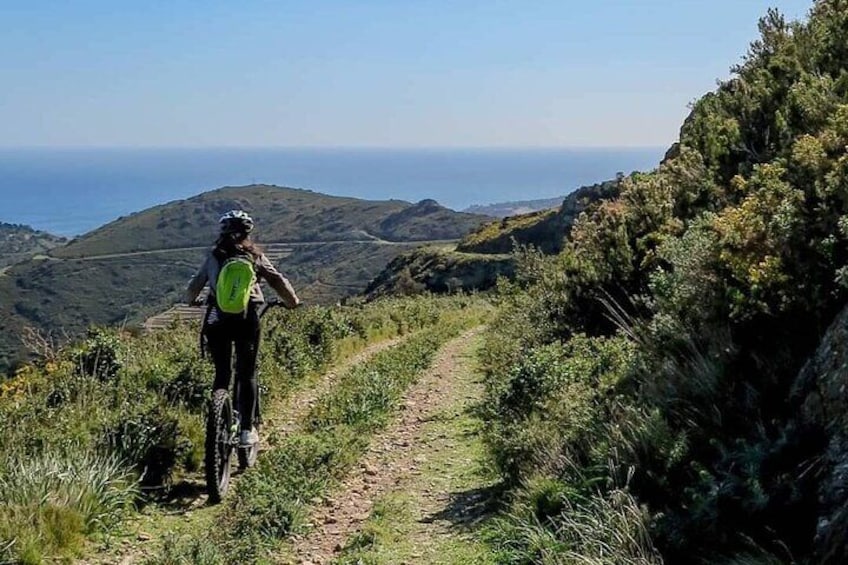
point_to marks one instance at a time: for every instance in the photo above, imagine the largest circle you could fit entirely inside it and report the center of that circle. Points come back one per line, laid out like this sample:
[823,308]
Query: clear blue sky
[364,73]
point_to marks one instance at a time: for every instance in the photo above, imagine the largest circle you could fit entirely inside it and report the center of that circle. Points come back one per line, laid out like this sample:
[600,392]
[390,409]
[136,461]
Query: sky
[377,73]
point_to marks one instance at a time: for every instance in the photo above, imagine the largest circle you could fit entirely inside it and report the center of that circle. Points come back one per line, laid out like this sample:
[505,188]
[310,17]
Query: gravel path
[393,457]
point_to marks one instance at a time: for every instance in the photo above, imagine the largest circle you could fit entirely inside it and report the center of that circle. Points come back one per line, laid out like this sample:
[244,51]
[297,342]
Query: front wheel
[219,445]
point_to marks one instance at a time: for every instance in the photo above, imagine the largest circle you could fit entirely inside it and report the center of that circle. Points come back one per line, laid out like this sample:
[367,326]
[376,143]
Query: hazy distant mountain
[504,209]
[281,214]
[19,242]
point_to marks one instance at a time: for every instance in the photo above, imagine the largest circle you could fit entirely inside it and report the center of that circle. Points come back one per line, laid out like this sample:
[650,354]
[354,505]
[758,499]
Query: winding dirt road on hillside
[270,244]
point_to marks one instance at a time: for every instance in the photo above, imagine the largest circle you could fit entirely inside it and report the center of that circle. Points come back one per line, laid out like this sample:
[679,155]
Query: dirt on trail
[392,462]
[184,512]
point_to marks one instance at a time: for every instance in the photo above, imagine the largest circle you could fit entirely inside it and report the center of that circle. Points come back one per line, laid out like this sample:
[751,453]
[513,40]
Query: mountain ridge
[281,214]
[486,253]
[137,266]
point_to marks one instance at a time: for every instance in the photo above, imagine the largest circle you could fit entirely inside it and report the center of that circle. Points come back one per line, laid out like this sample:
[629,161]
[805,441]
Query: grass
[596,531]
[50,503]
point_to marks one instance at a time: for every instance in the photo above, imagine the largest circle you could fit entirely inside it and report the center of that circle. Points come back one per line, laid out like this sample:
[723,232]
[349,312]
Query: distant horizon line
[332,147]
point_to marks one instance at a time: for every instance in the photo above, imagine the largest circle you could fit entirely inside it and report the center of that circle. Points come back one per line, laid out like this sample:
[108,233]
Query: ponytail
[232,244]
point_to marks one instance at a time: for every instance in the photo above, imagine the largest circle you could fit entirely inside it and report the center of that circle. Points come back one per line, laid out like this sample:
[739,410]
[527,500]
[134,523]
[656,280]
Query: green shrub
[549,412]
[150,439]
[190,387]
[598,530]
[99,356]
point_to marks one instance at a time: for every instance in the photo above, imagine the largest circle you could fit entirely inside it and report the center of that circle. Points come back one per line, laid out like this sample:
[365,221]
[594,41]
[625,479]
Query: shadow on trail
[184,496]
[468,509]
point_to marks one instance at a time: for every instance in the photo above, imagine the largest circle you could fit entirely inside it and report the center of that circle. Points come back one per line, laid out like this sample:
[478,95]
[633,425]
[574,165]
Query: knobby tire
[218,448]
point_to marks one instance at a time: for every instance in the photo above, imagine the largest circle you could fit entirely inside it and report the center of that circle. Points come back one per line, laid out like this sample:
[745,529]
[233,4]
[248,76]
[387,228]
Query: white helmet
[236,221]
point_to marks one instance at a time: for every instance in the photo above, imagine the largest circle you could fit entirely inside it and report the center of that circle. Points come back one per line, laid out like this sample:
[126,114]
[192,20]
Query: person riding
[227,330]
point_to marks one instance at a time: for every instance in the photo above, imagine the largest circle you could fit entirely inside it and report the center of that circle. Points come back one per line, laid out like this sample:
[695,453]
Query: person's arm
[278,282]
[197,282]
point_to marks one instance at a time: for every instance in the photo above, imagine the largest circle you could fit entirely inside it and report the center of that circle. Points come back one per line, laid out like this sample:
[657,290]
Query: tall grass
[50,501]
[597,530]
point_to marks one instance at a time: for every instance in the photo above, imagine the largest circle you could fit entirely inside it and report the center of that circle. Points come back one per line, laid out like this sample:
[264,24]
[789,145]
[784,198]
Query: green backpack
[235,281]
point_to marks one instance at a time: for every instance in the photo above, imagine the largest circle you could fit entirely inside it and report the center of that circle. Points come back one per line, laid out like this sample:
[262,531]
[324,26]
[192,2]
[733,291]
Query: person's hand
[197,302]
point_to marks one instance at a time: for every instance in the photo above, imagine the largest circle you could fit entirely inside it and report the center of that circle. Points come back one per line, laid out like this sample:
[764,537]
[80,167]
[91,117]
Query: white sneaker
[248,438]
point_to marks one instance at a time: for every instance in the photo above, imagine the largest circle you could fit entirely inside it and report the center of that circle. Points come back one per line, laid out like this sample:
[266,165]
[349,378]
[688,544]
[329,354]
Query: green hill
[282,215]
[545,230]
[484,255]
[330,247]
[440,270]
[19,242]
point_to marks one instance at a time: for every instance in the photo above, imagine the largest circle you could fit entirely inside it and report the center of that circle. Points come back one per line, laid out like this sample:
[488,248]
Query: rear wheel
[219,446]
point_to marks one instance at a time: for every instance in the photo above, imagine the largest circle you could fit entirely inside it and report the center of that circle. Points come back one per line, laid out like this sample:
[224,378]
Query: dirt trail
[400,461]
[191,511]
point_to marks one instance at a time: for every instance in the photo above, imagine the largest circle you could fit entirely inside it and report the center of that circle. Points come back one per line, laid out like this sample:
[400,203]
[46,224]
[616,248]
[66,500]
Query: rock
[820,393]
[143,536]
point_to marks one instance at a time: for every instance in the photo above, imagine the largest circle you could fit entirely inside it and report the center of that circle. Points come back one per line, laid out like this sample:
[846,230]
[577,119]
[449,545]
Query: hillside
[137,266]
[546,229]
[105,439]
[483,255]
[666,388]
[282,215]
[517,208]
[440,270]
[19,242]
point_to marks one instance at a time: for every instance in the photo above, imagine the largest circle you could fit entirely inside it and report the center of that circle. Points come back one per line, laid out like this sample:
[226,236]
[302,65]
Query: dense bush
[715,276]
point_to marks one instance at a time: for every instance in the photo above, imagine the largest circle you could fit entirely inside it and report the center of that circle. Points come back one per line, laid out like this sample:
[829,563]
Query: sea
[72,191]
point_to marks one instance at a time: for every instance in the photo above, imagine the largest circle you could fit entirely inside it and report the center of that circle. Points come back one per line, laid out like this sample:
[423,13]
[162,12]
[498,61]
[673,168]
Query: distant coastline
[69,191]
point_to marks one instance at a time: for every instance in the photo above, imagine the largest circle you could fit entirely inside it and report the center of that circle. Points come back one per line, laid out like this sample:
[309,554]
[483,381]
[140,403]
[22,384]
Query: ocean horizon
[69,191]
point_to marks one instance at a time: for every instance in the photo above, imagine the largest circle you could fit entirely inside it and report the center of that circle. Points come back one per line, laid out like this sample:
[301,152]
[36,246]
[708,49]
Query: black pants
[225,332]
